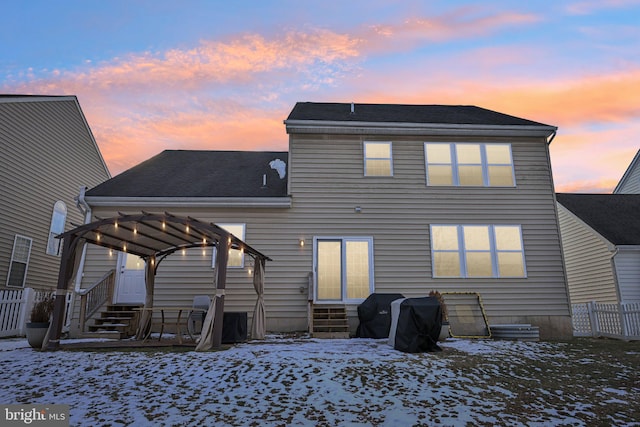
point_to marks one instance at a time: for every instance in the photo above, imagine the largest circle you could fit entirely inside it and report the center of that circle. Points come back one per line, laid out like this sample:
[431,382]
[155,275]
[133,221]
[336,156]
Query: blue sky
[155,75]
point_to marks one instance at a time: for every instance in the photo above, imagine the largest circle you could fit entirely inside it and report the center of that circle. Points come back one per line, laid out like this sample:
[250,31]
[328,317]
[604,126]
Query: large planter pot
[444,331]
[36,333]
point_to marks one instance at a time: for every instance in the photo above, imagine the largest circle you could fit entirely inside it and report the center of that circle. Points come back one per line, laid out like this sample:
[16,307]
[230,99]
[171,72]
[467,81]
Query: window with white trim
[58,218]
[378,159]
[236,256]
[477,251]
[19,261]
[465,164]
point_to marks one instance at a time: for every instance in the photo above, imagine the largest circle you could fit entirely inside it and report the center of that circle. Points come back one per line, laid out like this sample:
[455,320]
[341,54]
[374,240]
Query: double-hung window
[19,261]
[378,159]
[466,164]
[477,251]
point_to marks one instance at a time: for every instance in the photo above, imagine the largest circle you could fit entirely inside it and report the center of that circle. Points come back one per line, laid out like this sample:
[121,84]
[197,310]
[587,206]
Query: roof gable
[628,173]
[613,216]
[196,173]
[402,113]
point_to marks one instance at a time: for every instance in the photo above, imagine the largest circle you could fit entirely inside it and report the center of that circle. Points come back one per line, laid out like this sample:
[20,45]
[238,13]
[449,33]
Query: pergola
[153,237]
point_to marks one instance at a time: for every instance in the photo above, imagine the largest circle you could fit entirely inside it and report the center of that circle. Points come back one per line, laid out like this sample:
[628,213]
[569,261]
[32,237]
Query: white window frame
[14,255]
[455,164]
[58,217]
[462,251]
[366,158]
[215,249]
[343,240]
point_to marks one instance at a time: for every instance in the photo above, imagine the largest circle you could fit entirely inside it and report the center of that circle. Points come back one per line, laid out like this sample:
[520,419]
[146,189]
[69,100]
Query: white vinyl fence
[593,319]
[15,307]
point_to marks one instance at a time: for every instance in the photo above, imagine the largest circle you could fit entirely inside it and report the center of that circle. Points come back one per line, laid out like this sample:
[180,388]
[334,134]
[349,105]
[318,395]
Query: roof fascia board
[11,99]
[93,140]
[629,248]
[199,202]
[318,126]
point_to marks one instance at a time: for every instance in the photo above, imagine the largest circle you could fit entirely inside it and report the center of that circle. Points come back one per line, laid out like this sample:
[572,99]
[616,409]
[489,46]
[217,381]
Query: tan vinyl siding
[47,154]
[327,182]
[588,261]
[627,262]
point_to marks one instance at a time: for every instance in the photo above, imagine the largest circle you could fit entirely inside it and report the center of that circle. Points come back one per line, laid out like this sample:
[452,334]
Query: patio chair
[201,302]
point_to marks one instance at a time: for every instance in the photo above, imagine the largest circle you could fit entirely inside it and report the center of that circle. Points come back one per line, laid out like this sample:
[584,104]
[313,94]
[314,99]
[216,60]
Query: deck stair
[116,321]
[330,321]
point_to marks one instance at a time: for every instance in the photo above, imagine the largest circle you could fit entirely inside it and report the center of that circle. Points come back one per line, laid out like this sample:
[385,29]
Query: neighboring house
[630,181]
[47,152]
[368,198]
[601,241]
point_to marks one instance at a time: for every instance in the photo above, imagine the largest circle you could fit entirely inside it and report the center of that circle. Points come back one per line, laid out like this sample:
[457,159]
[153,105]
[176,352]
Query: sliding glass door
[344,269]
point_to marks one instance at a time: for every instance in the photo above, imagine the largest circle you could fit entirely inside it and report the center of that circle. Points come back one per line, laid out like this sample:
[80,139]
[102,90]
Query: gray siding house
[47,152]
[601,241]
[368,198]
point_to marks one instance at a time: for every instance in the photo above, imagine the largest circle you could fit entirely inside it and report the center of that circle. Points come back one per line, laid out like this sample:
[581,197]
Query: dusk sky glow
[156,75]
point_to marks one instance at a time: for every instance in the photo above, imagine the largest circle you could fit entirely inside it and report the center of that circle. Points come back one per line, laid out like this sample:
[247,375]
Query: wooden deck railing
[92,298]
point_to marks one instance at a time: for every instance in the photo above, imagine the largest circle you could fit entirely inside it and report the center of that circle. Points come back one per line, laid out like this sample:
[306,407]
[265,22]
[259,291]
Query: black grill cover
[419,323]
[375,316]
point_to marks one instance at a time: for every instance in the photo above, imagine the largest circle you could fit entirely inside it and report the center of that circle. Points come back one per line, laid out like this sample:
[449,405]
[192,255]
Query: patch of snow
[279,166]
[293,381]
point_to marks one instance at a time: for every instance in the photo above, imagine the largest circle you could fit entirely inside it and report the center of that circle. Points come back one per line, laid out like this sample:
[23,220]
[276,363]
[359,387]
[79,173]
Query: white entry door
[130,288]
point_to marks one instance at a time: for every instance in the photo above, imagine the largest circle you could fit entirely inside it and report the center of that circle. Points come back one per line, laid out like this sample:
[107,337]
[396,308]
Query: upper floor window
[477,251]
[236,256]
[378,160]
[463,164]
[58,218]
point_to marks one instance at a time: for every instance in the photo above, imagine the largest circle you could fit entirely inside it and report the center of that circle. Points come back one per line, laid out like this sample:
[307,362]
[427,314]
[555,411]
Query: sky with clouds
[152,75]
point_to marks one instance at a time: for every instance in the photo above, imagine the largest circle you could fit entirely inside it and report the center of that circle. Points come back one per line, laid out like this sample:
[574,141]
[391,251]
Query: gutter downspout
[85,210]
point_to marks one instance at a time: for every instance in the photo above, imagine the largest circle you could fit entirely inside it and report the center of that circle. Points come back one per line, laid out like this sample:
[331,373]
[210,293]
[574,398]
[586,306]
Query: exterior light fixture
[358,209]
[301,243]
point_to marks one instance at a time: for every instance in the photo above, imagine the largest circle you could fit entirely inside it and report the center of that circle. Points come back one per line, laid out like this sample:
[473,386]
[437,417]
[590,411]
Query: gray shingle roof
[614,216]
[193,173]
[398,113]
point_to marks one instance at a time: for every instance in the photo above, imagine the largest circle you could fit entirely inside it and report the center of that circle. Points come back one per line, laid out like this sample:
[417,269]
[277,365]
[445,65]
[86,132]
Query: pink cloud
[590,6]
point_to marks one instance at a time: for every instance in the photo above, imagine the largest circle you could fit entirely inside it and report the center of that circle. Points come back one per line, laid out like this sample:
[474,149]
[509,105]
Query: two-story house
[369,198]
[47,152]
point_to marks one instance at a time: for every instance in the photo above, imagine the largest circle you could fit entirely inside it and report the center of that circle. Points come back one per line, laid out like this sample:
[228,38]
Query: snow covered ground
[307,382]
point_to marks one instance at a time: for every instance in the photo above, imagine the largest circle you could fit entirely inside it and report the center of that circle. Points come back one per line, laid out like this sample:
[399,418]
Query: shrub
[41,311]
